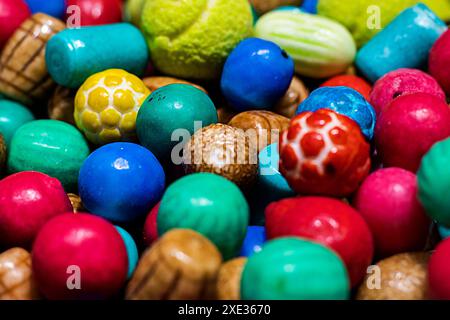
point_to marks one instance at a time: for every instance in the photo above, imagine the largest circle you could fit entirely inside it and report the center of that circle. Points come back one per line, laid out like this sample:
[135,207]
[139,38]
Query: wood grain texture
[229,279]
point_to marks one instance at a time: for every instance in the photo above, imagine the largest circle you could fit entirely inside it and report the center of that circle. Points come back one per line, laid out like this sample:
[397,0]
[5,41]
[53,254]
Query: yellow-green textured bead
[53,147]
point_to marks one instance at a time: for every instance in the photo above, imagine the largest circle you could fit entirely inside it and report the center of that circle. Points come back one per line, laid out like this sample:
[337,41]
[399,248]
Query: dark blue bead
[55,8]
[309,6]
[254,240]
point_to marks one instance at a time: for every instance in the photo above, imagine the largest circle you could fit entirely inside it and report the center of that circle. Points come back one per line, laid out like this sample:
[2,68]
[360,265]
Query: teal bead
[12,116]
[170,108]
[294,269]
[434,182]
[52,147]
[209,204]
[132,251]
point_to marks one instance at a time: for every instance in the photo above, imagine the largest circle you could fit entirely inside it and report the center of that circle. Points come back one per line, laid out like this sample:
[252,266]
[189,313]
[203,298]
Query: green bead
[12,116]
[172,107]
[53,147]
[434,182]
[210,205]
[294,269]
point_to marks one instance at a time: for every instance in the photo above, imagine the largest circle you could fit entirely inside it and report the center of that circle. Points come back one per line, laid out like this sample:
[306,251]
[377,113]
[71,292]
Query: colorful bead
[12,116]
[132,251]
[55,8]
[61,105]
[438,272]
[439,61]
[254,240]
[229,279]
[150,232]
[295,94]
[13,13]
[351,81]
[96,12]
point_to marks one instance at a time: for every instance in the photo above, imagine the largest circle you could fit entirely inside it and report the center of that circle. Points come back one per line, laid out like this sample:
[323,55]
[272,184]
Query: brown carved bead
[225,114]
[295,95]
[263,6]
[229,279]
[402,277]
[61,105]
[262,127]
[77,205]
[16,282]
[154,83]
[23,71]
[223,150]
[181,265]
[2,153]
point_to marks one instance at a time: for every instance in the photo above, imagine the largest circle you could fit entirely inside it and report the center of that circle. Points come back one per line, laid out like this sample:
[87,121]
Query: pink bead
[439,61]
[408,127]
[12,14]
[402,82]
[388,202]
[439,271]
[150,226]
[27,201]
[79,244]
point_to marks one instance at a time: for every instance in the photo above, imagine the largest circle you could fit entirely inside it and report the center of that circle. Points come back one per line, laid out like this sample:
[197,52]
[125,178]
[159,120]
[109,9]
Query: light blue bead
[132,251]
[404,43]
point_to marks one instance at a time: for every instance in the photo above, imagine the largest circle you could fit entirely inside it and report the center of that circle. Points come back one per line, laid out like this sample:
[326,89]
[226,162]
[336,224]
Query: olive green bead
[294,269]
[51,147]
[209,204]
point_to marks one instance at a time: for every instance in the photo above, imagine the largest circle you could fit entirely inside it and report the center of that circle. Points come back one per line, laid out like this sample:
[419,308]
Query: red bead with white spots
[324,153]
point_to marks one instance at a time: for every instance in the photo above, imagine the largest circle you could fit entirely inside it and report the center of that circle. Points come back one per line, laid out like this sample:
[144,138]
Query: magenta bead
[408,127]
[388,202]
[28,200]
[79,242]
[150,226]
[403,82]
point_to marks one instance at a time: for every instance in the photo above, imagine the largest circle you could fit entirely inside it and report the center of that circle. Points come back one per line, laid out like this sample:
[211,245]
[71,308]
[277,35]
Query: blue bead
[444,231]
[254,240]
[121,181]
[132,251]
[309,6]
[404,43]
[256,75]
[345,101]
[55,8]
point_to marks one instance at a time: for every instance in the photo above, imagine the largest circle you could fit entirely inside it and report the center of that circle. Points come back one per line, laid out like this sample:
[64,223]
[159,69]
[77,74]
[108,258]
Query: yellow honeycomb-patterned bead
[106,106]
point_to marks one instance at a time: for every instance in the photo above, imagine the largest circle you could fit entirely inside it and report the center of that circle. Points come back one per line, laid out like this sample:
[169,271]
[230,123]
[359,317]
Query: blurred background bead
[228,285]
[296,94]
[254,240]
[76,202]
[96,12]
[154,83]
[2,154]
[132,251]
[12,116]
[12,14]
[263,6]
[54,8]
[61,105]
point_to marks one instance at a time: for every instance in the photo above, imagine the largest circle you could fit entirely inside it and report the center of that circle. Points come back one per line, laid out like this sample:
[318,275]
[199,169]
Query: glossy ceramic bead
[96,12]
[351,81]
[387,200]
[194,202]
[434,181]
[49,146]
[438,273]
[27,201]
[330,222]
[254,240]
[12,116]
[121,181]
[324,153]
[294,269]
[262,127]
[404,43]
[345,101]
[439,61]
[182,265]
[23,70]
[403,82]
[256,75]
[296,94]
[55,8]
[95,260]
[16,279]
[176,106]
[75,54]
[76,203]
[154,83]
[228,285]
[132,251]
[223,150]
[61,105]
[107,104]
[150,232]
[408,127]
[12,14]
[400,277]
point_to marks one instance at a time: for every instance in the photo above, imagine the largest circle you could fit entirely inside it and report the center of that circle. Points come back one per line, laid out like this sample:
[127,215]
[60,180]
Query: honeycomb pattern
[106,106]
[324,153]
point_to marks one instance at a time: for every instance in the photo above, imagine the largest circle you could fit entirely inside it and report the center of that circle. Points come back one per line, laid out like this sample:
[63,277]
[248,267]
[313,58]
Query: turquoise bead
[51,147]
[170,108]
[294,269]
[209,204]
[132,251]
[12,116]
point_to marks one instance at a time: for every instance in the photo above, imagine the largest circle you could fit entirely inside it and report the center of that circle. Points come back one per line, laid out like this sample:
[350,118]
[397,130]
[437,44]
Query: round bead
[439,61]
[223,150]
[408,127]
[132,251]
[154,83]
[295,94]
[176,107]
[150,228]
[400,277]
[438,272]
[294,269]
[27,201]
[76,202]
[181,265]
[12,116]
[93,263]
[324,153]
[14,12]
[345,101]
[254,240]
[351,81]
[121,181]
[96,12]
[210,205]
[328,221]
[229,279]
[388,202]
[107,104]
[55,8]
